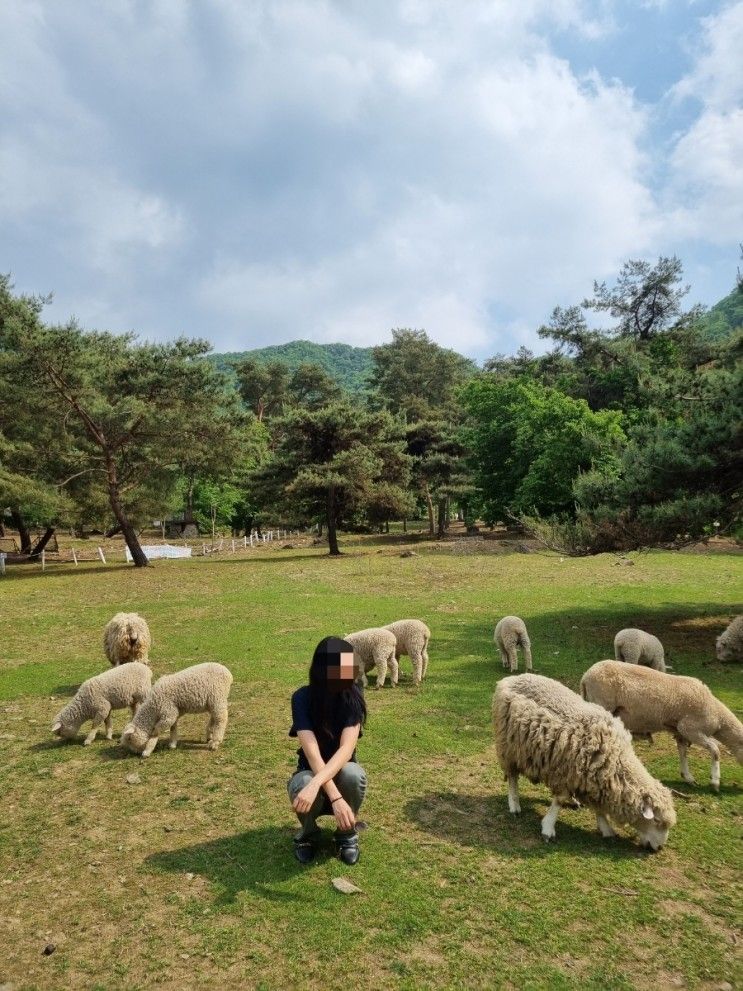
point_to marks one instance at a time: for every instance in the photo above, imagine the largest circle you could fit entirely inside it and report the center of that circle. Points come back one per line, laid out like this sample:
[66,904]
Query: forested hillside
[346,364]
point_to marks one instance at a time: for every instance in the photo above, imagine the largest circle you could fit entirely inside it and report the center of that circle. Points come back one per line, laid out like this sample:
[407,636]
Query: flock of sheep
[579,745]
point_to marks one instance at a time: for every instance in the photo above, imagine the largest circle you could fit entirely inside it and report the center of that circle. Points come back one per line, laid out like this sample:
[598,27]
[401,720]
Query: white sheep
[201,688]
[127,638]
[375,647]
[638,647]
[509,634]
[99,696]
[729,645]
[412,638]
[649,701]
[548,733]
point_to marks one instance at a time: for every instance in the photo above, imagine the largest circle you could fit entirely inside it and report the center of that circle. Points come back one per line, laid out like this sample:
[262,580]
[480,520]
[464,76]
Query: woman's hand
[344,816]
[306,797]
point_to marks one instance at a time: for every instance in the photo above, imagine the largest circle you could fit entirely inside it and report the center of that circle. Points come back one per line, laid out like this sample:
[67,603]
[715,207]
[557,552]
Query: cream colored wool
[729,645]
[375,647]
[412,638]
[638,647]
[119,688]
[510,633]
[649,701]
[127,638]
[201,688]
[548,733]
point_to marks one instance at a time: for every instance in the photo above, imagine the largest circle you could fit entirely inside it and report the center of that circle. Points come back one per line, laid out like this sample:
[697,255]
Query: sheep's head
[67,731]
[724,652]
[134,738]
[655,818]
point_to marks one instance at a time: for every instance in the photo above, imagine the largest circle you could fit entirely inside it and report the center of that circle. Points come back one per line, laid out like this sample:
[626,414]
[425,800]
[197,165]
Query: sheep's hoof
[109,736]
[548,838]
[172,746]
[213,745]
[86,743]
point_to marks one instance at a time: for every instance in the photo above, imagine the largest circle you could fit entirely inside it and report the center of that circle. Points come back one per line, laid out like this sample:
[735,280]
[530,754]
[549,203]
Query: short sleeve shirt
[302,720]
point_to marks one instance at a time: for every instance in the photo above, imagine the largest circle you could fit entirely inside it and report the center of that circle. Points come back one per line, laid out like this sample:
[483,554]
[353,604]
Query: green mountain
[348,365]
[725,317]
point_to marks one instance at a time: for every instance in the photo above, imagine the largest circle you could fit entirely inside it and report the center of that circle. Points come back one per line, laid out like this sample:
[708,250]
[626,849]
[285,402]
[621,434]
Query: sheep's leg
[513,660]
[711,747]
[381,671]
[603,826]
[417,660]
[98,721]
[134,706]
[527,656]
[683,746]
[548,822]
[425,660]
[394,669]
[109,727]
[149,746]
[504,658]
[514,805]
[173,742]
[218,727]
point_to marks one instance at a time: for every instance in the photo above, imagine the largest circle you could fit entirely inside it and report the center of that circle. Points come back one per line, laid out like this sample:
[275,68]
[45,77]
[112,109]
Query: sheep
[649,701]
[729,645]
[97,698]
[412,638]
[375,647]
[638,647]
[201,688]
[509,634]
[548,733]
[127,638]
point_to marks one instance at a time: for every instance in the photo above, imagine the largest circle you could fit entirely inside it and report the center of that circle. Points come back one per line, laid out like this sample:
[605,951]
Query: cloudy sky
[256,171]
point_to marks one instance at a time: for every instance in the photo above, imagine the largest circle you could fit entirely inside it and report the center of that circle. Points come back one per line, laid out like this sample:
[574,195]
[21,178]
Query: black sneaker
[304,851]
[347,848]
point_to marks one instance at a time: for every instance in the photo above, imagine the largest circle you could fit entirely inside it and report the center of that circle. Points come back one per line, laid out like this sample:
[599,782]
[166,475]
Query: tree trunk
[43,541]
[405,524]
[23,534]
[2,529]
[112,531]
[188,515]
[319,530]
[429,504]
[332,537]
[442,518]
[132,542]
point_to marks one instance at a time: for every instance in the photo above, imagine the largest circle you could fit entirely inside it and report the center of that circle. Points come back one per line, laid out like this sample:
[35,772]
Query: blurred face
[343,672]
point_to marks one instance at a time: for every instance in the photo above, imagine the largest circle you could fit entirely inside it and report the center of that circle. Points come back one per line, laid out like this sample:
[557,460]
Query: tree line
[625,433]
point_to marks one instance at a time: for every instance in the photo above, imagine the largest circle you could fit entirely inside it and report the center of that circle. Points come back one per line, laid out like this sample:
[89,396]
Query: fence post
[43,560]
[2,564]
[101,555]
[233,546]
[74,556]
[245,542]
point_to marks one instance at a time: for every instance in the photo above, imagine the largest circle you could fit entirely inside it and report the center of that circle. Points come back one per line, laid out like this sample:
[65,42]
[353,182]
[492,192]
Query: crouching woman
[327,718]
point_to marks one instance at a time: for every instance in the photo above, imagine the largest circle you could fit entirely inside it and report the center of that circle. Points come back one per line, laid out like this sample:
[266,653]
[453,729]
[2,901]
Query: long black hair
[325,704]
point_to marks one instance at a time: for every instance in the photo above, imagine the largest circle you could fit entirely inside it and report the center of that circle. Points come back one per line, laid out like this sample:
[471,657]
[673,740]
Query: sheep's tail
[730,732]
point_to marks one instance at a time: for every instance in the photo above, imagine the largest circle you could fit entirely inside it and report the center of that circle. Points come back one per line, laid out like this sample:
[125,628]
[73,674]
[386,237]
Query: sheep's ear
[56,726]
[128,731]
[647,812]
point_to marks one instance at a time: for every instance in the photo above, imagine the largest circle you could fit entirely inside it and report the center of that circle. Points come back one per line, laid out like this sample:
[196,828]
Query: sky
[256,172]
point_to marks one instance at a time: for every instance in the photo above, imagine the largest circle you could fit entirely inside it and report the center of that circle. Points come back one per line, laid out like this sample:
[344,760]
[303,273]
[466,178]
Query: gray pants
[350,782]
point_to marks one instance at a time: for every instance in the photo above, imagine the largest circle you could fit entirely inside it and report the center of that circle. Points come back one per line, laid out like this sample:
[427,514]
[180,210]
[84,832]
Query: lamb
[201,688]
[97,698]
[638,647]
[729,645]
[509,634]
[375,647]
[412,638]
[649,701]
[548,733]
[127,638]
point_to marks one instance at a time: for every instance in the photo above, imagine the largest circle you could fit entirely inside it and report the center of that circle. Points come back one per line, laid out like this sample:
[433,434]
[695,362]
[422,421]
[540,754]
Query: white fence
[162,550]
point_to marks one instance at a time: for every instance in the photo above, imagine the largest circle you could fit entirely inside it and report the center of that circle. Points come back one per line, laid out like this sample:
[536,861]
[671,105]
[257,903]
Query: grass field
[186,879]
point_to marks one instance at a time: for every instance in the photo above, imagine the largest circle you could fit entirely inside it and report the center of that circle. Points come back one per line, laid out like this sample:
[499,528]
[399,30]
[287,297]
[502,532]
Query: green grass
[186,880]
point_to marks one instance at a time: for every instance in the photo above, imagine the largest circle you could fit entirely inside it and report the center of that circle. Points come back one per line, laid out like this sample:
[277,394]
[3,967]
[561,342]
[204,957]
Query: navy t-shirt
[302,719]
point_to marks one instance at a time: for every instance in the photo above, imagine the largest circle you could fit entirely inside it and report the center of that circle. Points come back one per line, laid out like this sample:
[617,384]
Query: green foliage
[529,443]
[346,365]
[725,318]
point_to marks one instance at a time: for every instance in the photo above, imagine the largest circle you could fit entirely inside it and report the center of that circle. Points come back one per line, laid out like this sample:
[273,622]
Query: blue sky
[256,172]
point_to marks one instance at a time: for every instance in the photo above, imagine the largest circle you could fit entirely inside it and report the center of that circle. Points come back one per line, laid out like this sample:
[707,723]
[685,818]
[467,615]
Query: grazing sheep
[412,638]
[729,646]
[638,647]
[127,638]
[375,647]
[548,733]
[97,698]
[509,634]
[649,701]
[201,688]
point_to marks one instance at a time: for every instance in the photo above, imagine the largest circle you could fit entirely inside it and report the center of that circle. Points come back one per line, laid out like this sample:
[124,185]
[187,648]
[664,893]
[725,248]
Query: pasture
[186,879]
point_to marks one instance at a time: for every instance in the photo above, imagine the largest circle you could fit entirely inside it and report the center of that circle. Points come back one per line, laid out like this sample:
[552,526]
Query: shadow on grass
[65,689]
[474,821]
[255,861]
[65,569]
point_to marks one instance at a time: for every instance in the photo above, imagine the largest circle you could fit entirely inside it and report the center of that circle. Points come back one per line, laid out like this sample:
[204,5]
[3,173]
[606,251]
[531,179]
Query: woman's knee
[351,778]
[297,782]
